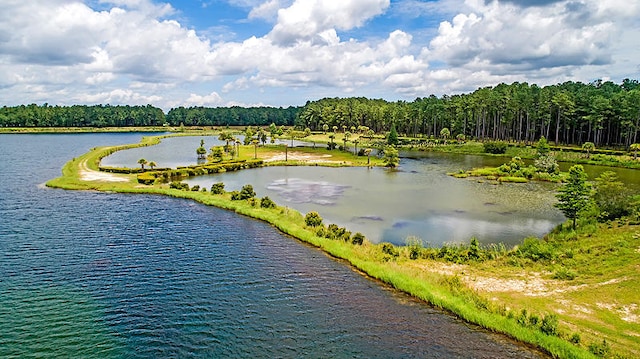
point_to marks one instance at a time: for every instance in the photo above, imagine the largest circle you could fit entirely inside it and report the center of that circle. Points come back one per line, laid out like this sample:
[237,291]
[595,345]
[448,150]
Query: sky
[285,52]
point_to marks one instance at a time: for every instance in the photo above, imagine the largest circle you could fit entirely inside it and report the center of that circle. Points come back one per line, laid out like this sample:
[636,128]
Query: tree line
[604,113]
[126,116]
[601,112]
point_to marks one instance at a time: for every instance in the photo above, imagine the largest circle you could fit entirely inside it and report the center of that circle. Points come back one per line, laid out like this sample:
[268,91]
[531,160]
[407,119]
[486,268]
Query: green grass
[603,262]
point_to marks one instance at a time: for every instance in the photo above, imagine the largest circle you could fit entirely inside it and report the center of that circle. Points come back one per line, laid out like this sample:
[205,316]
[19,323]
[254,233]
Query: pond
[420,200]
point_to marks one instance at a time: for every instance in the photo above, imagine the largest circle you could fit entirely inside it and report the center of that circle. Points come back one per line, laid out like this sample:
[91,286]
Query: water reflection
[298,190]
[421,200]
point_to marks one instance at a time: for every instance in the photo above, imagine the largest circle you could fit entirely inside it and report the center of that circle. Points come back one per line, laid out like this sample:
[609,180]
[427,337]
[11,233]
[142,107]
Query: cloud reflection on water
[297,190]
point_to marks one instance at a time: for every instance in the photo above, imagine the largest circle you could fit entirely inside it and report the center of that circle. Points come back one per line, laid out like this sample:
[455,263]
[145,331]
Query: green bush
[496,148]
[245,193]
[195,188]
[179,185]
[601,350]
[266,202]
[549,324]
[390,249]
[535,249]
[313,219]
[217,188]
[564,274]
[358,238]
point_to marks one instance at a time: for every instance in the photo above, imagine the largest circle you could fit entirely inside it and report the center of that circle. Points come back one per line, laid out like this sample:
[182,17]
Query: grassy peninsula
[573,294]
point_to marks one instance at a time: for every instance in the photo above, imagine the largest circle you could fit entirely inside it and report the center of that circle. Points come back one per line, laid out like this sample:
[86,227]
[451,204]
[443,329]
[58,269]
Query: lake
[102,275]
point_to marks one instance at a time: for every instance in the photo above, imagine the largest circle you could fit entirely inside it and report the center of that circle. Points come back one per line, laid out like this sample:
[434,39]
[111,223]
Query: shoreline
[432,281]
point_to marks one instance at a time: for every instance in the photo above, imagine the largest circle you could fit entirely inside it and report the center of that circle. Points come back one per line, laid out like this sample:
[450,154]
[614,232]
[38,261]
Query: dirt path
[87,174]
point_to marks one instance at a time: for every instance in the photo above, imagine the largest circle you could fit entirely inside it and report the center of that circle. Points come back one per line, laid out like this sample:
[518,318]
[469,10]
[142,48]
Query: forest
[602,112]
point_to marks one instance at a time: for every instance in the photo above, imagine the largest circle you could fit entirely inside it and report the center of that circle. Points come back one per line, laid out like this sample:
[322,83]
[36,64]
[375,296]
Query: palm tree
[325,128]
[635,147]
[445,133]
[588,147]
[227,137]
[345,139]
[142,162]
[368,153]
[152,164]
[255,148]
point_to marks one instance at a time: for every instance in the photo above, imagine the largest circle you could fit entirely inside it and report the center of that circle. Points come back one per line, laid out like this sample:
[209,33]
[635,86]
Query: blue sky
[285,52]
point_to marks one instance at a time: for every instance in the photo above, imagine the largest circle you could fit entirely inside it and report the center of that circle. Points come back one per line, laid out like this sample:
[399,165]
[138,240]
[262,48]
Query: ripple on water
[96,275]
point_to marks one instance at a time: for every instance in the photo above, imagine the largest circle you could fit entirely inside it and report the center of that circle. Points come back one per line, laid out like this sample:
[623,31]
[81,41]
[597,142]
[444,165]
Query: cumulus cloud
[305,19]
[506,37]
[135,51]
[212,99]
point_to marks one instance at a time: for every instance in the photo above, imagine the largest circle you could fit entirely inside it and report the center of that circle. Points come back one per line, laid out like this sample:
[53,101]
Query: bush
[195,188]
[179,185]
[547,164]
[564,274]
[358,238]
[496,148]
[217,188]
[313,219]
[246,192]
[549,324]
[390,249]
[415,246]
[266,202]
[600,350]
[535,249]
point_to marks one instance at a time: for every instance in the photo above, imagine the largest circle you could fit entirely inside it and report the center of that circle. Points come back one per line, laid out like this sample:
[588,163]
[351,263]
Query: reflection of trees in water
[299,190]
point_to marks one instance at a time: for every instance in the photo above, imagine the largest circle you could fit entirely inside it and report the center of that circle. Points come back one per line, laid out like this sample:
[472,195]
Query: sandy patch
[300,157]
[87,174]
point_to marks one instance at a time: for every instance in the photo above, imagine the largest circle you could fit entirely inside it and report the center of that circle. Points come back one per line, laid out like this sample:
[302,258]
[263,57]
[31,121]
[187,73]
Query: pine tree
[574,195]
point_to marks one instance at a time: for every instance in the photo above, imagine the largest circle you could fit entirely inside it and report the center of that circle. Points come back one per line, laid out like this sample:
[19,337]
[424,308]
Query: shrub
[266,202]
[415,246]
[549,324]
[390,249]
[217,188]
[601,350]
[313,219]
[358,238]
[195,188]
[496,148]
[547,164]
[246,192]
[535,249]
[179,185]
[564,274]
[575,338]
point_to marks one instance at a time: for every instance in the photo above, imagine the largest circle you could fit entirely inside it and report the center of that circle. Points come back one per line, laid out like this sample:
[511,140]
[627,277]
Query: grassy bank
[602,263]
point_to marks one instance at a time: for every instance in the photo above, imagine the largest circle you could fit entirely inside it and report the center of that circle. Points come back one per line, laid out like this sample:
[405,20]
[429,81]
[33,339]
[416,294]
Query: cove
[138,276]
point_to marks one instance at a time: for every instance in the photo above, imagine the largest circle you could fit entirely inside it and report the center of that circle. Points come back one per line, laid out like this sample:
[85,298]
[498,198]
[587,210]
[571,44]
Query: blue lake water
[100,275]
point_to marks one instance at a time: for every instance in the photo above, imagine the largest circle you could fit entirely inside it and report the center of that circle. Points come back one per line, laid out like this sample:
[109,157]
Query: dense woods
[601,112]
[232,116]
[604,113]
[80,116]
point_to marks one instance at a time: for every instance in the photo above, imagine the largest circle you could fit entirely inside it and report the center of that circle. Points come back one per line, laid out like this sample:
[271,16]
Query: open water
[100,275]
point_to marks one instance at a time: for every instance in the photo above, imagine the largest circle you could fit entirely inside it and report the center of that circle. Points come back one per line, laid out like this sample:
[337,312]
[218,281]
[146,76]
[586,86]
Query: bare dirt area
[300,157]
[87,174]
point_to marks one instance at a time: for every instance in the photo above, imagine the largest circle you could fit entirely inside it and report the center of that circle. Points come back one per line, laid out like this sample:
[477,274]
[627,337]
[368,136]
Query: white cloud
[212,99]
[134,51]
[305,19]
